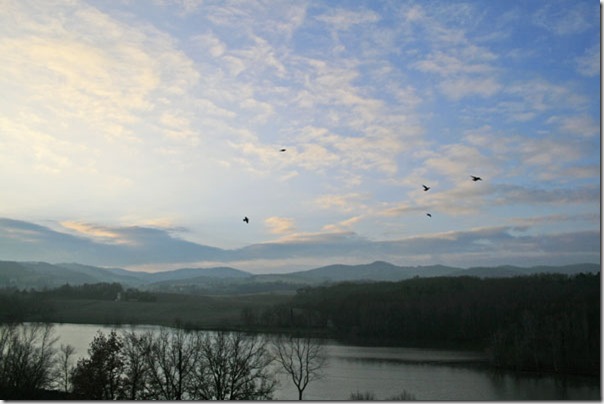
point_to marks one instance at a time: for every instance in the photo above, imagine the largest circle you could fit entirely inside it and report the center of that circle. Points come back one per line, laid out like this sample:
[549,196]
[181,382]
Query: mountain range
[39,275]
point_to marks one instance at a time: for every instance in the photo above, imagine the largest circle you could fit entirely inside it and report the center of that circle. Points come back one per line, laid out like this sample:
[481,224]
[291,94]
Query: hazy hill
[41,274]
[109,275]
[376,271]
[189,273]
[384,271]
[12,273]
[38,275]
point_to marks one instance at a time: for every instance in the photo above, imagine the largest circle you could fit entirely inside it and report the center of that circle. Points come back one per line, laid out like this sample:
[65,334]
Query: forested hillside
[539,322]
[226,280]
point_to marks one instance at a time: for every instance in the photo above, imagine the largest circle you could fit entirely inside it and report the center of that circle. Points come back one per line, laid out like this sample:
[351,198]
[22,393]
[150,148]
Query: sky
[139,134]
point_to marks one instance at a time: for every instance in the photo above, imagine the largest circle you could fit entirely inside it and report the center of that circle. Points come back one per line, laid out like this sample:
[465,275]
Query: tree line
[97,291]
[546,322]
[37,305]
[17,306]
[171,364]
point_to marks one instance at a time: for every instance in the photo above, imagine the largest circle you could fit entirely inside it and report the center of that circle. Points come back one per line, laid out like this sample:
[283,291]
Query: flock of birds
[426,188]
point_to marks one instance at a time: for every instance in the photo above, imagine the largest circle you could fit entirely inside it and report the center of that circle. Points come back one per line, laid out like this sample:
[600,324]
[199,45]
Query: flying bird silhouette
[425,187]
[474,178]
[282,150]
[245,219]
[428,214]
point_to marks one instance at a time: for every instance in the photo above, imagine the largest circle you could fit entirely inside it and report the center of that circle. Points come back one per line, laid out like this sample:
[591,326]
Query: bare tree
[65,367]
[136,349]
[174,365]
[234,366]
[171,361]
[302,358]
[27,359]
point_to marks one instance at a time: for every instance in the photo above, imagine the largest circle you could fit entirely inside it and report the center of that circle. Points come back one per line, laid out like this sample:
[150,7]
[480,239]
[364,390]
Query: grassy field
[204,312]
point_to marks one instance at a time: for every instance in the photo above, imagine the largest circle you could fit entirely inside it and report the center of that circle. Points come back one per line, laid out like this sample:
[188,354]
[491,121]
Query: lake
[427,374]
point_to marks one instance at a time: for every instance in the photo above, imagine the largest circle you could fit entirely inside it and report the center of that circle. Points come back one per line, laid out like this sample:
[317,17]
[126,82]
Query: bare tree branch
[302,358]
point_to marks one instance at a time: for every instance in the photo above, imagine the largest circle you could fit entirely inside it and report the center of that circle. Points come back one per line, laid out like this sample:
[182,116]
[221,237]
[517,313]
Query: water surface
[427,374]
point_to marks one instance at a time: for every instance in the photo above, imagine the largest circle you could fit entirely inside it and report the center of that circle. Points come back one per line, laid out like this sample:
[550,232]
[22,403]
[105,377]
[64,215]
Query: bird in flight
[474,178]
[282,150]
[425,187]
[429,214]
[245,219]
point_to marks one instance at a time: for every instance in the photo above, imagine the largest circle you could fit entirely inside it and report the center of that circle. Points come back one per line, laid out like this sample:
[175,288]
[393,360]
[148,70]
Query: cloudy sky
[140,133]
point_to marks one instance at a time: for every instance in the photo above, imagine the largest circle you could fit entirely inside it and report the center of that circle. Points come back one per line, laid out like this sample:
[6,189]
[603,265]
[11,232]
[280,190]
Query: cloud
[97,245]
[577,125]
[538,96]
[507,195]
[564,17]
[259,57]
[440,22]
[554,159]
[321,244]
[280,225]
[549,156]
[347,203]
[466,198]
[259,78]
[471,247]
[458,161]
[469,60]
[589,63]
[343,225]
[400,208]
[494,243]
[82,88]
[21,240]
[372,151]
[545,152]
[456,89]
[102,234]
[342,19]
[285,17]
[558,218]
[214,46]
[463,67]
[111,74]
[186,7]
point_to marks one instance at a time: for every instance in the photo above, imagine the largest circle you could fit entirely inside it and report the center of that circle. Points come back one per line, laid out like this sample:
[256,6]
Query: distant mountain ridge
[376,271]
[42,274]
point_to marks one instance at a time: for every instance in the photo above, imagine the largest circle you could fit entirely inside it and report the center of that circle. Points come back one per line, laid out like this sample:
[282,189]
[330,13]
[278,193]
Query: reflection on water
[81,335]
[531,387]
[407,355]
[386,372]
